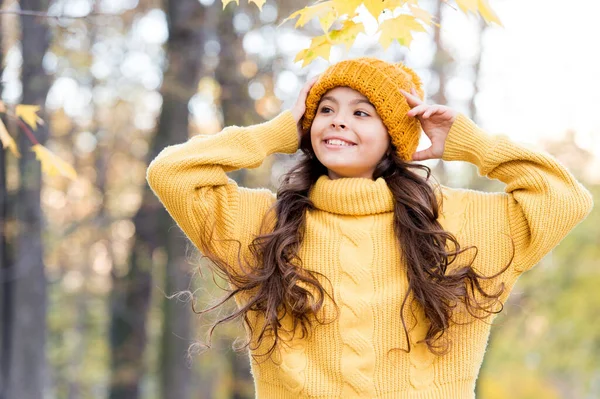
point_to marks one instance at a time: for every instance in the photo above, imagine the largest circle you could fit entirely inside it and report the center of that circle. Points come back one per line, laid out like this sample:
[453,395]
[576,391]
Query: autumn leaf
[320,46]
[393,4]
[225,2]
[346,7]
[28,114]
[327,20]
[7,140]
[347,34]
[487,13]
[481,6]
[375,7]
[52,164]
[421,14]
[259,3]
[2,107]
[308,13]
[399,28]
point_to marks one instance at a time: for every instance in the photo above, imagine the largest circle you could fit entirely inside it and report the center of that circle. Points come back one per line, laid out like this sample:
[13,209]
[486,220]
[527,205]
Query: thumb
[423,154]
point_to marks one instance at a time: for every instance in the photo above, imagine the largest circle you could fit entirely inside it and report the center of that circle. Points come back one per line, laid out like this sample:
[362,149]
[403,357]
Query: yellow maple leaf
[393,4]
[28,114]
[308,13]
[467,6]
[481,6]
[52,164]
[399,28]
[327,20]
[259,3]
[225,2]
[421,14]
[375,7]
[320,46]
[7,140]
[346,7]
[347,34]
[487,13]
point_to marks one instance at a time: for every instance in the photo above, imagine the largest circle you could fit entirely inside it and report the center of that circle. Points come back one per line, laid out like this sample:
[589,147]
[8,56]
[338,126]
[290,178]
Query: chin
[341,172]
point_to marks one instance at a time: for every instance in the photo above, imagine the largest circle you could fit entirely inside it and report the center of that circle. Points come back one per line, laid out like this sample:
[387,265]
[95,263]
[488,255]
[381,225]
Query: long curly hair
[274,284]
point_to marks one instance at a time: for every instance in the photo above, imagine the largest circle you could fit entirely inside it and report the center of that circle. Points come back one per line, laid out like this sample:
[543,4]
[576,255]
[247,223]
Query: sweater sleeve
[542,201]
[190,181]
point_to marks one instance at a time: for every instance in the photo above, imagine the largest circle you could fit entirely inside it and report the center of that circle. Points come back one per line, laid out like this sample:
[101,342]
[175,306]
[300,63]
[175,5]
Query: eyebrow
[357,101]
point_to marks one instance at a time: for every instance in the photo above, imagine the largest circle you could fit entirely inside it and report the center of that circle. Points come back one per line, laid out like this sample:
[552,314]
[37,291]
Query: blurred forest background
[87,264]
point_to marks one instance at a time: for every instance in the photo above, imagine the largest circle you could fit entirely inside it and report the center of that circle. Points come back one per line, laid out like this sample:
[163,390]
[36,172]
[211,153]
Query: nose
[338,122]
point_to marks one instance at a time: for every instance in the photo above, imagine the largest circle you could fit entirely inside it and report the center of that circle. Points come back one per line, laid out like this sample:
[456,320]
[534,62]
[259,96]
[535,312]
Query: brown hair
[279,285]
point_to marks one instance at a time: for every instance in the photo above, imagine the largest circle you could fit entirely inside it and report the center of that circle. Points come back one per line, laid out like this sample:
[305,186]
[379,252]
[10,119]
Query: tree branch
[42,14]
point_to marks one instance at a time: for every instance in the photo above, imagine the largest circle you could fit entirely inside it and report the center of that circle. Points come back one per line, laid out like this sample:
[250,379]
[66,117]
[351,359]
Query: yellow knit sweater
[349,238]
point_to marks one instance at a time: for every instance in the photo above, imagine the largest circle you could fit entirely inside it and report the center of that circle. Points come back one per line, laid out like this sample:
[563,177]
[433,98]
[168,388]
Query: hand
[435,120]
[300,106]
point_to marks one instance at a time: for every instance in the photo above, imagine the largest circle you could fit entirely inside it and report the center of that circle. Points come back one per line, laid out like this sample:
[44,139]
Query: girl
[352,281]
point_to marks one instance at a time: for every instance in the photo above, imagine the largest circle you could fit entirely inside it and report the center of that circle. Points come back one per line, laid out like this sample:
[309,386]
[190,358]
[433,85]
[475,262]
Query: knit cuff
[467,142]
[279,134]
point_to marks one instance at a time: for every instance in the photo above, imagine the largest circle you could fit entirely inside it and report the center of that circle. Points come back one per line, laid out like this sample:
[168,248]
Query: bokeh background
[89,266]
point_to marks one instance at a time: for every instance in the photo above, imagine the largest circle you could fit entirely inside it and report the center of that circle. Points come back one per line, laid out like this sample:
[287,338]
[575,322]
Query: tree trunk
[4,261]
[130,298]
[238,109]
[28,299]
[185,48]
[154,227]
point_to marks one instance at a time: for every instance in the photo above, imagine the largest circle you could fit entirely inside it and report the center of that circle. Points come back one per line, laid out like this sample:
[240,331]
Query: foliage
[26,116]
[401,27]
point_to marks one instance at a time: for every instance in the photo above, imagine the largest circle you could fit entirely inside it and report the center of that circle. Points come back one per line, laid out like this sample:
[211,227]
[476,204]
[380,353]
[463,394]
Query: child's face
[347,114]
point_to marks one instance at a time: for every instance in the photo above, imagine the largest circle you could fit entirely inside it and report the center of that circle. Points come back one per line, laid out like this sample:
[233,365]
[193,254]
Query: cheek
[377,145]
[316,132]
[314,129]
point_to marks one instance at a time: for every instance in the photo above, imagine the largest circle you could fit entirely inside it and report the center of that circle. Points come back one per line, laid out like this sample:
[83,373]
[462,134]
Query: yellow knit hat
[380,82]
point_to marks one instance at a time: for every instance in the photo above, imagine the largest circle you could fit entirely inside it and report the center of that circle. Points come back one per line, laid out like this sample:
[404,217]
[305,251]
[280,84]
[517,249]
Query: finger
[412,100]
[418,110]
[423,154]
[432,110]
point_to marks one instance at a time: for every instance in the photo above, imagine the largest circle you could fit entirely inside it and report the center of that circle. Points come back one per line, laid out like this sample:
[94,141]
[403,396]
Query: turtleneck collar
[352,196]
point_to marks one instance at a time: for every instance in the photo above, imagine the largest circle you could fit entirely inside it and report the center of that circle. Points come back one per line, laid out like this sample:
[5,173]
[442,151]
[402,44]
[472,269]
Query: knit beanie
[380,82]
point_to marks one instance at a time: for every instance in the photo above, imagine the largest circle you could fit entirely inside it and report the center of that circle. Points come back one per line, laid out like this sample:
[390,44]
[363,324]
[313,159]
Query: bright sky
[540,73]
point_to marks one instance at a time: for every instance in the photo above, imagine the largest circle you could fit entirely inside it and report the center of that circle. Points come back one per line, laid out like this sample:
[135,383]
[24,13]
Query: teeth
[339,142]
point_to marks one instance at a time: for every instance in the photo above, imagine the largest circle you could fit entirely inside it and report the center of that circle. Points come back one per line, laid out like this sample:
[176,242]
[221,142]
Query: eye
[323,109]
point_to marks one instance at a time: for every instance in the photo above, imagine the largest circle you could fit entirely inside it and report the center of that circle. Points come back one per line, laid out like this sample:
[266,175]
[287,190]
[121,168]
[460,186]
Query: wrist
[297,115]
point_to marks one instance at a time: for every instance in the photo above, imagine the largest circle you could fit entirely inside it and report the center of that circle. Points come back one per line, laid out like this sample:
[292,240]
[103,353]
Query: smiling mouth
[334,143]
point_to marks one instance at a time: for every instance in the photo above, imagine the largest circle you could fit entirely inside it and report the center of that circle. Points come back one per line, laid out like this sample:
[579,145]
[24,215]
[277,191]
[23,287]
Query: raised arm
[190,181]
[542,201]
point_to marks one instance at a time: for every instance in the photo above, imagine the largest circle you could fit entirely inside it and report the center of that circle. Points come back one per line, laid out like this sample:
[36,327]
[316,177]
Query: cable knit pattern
[356,318]
[349,238]
[421,359]
[292,360]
